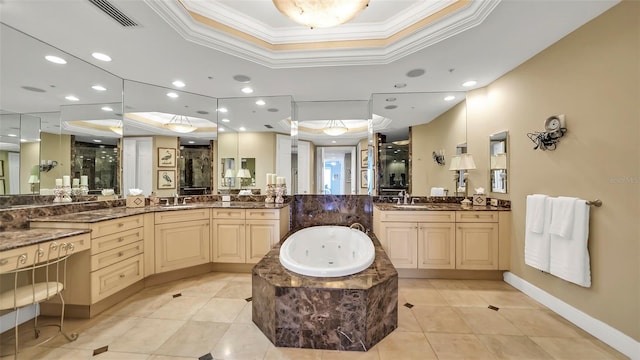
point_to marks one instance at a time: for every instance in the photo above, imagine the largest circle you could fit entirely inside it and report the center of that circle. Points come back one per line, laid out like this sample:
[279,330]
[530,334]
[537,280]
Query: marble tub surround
[345,313]
[310,210]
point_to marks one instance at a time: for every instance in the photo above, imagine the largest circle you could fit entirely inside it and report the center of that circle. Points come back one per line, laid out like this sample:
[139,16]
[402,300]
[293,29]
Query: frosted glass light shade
[335,128]
[180,124]
[321,13]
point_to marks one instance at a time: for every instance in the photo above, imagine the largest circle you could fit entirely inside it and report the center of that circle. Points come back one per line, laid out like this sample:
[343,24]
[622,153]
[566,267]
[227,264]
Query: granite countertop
[19,238]
[119,212]
[271,270]
[437,207]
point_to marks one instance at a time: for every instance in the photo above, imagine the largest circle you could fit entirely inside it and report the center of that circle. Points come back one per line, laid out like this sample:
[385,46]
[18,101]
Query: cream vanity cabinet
[471,240]
[246,235]
[182,239]
[114,262]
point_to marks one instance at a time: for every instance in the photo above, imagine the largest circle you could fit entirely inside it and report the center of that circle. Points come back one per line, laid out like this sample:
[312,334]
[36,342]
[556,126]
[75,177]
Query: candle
[268,179]
[273,178]
[58,182]
[280,180]
[76,182]
[84,180]
[66,180]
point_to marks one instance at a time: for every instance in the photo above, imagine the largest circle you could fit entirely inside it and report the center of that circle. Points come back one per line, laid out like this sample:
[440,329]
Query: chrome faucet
[406,197]
[184,200]
[176,197]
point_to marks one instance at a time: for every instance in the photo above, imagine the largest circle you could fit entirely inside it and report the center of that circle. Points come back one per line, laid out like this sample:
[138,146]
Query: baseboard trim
[607,334]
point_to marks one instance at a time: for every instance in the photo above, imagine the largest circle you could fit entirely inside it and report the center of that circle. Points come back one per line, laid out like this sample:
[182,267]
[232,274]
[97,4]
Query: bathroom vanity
[444,236]
[128,248]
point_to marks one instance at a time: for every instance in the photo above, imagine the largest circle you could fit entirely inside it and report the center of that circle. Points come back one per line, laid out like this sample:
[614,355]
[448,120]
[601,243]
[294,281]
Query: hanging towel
[437,191]
[569,256]
[536,240]
[563,210]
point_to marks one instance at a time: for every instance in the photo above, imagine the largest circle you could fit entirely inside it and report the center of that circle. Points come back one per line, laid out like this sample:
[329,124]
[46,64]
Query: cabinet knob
[120,253]
[122,275]
[120,224]
[120,239]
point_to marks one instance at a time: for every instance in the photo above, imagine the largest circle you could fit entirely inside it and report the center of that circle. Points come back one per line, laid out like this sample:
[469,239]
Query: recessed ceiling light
[223,110]
[12,135]
[99,88]
[260,102]
[23,140]
[400,85]
[415,73]
[242,128]
[178,83]
[71,98]
[101,56]
[191,142]
[55,59]
[449,98]
[97,140]
[172,95]
[246,90]
[220,129]
[333,141]
[469,83]
[225,120]
[107,108]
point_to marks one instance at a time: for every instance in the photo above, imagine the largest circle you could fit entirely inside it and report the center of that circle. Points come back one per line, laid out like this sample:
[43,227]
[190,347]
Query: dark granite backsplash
[312,210]
[436,199]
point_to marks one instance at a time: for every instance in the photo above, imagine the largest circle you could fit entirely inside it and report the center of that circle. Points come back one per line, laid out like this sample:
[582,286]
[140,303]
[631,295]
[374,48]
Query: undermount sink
[410,206]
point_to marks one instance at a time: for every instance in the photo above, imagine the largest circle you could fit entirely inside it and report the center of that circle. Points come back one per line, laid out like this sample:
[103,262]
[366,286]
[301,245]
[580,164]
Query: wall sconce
[438,157]
[47,165]
[555,129]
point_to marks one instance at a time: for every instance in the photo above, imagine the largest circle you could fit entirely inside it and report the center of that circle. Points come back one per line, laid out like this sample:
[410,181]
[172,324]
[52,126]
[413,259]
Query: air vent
[114,13]
[268,126]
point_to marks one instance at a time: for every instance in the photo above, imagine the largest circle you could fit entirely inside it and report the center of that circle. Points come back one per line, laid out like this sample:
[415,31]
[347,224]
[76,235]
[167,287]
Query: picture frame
[364,181]
[166,179]
[364,158]
[1,168]
[2,190]
[166,157]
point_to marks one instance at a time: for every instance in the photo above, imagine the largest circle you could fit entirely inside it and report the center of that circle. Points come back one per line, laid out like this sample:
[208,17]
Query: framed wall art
[364,158]
[166,157]
[166,179]
[364,181]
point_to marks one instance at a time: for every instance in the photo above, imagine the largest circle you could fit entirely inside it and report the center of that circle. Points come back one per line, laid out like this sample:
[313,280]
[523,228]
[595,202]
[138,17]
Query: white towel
[437,191]
[569,257]
[536,244]
[562,215]
[535,212]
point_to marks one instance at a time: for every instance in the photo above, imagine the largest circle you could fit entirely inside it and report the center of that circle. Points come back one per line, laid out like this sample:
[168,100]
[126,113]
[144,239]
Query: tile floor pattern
[450,319]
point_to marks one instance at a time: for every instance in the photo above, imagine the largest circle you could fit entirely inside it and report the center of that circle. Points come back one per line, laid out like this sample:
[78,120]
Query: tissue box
[135,201]
[479,200]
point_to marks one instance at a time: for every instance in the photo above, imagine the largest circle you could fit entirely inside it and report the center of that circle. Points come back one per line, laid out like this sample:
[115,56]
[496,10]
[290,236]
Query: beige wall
[443,133]
[262,147]
[593,77]
[52,147]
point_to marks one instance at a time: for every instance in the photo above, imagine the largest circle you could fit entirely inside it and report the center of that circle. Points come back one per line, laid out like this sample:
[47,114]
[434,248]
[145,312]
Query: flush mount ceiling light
[335,128]
[180,124]
[321,13]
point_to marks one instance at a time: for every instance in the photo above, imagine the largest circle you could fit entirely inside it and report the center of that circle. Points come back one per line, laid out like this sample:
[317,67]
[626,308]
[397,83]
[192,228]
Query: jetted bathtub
[327,251]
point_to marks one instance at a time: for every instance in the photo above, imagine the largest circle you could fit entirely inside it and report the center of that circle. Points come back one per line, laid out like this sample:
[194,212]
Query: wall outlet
[226,198]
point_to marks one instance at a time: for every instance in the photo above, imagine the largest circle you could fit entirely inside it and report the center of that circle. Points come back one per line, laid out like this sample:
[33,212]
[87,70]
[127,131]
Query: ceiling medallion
[321,13]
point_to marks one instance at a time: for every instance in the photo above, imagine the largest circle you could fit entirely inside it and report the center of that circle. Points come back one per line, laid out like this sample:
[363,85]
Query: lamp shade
[33,179]
[244,173]
[455,163]
[319,14]
[229,173]
[499,161]
[335,128]
[466,162]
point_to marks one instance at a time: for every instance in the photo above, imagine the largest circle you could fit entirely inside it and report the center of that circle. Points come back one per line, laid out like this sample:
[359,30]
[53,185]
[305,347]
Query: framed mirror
[499,162]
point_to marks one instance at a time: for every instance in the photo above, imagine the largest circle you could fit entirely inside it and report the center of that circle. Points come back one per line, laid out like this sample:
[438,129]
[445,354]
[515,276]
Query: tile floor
[450,319]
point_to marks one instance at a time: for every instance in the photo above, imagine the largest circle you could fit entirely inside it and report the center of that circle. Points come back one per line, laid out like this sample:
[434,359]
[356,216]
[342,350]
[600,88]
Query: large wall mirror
[253,141]
[170,135]
[499,161]
[53,103]
[418,136]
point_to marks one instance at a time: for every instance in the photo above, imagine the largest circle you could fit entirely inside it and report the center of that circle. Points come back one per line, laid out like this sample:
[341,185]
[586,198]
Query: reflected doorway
[336,172]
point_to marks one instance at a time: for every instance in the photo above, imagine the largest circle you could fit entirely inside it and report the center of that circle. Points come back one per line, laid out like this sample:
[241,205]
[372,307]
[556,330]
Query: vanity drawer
[113,256]
[172,216]
[117,225]
[262,214]
[113,241]
[10,259]
[111,279]
[477,216]
[417,216]
[237,214]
